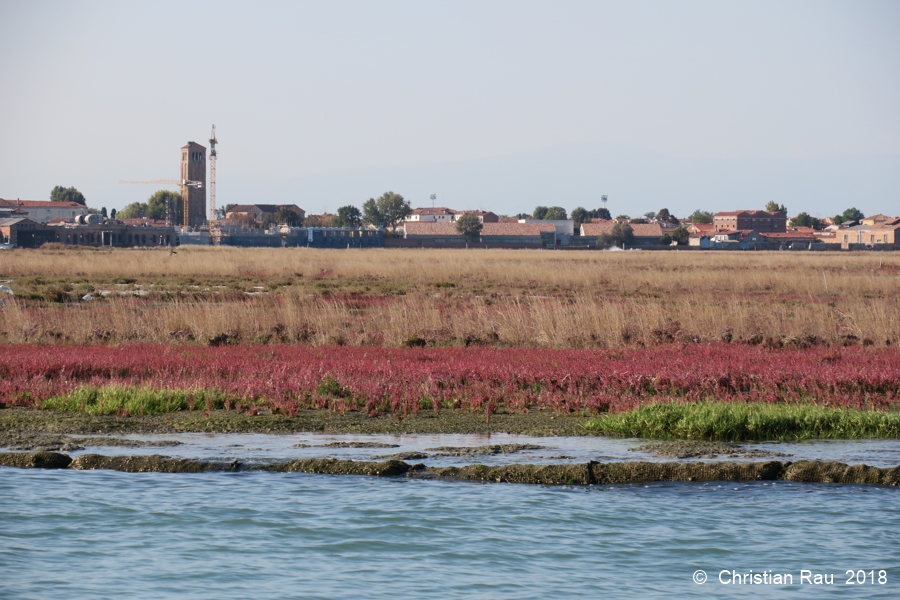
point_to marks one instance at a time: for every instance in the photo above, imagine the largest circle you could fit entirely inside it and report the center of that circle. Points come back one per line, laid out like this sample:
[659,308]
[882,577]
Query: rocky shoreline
[590,473]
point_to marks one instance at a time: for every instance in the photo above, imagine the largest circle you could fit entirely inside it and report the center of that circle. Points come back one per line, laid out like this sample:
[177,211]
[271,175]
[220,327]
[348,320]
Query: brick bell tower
[193,168]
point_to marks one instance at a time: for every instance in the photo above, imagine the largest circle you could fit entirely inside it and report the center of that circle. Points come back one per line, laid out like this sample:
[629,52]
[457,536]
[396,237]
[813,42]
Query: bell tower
[193,168]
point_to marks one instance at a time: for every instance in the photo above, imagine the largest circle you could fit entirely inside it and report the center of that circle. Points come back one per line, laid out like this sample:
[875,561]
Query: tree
[681,235]
[701,216]
[555,213]
[285,216]
[222,211]
[773,206]
[539,213]
[388,211]
[523,216]
[135,210]
[470,226]
[601,213]
[580,215]
[650,215]
[165,205]
[349,216]
[804,220]
[112,214]
[852,214]
[664,216]
[371,214]
[639,221]
[61,194]
[103,212]
[621,233]
[624,217]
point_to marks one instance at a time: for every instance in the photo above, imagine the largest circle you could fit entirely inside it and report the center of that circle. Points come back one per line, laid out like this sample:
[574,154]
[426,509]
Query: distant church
[193,168]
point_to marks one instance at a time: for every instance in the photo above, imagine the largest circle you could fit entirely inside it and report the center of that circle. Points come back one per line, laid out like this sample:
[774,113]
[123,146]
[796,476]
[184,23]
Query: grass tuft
[134,401]
[745,422]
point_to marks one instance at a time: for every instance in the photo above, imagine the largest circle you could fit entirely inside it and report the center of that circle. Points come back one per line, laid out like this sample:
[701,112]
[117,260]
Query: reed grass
[133,400]
[442,297]
[747,422]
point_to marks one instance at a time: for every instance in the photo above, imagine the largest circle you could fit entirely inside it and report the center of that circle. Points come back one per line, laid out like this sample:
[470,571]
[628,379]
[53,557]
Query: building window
[184,156]
[846,237]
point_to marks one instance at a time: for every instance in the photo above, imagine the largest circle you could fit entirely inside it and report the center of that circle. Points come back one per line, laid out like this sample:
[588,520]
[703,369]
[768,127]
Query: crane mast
[212,174]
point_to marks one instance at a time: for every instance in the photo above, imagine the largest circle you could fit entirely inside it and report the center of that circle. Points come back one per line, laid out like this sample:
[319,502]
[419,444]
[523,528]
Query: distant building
[441,214]
[41,211]
[193,168]
[747,220]
[260,212]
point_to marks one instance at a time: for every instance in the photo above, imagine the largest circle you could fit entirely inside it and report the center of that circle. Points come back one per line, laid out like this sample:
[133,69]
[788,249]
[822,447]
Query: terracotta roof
[266,208]
[597,228]
[508,219]
[488,229]
[430,228]
[700,227]
[520,229]
[640,229]
[748,213]
[40,204]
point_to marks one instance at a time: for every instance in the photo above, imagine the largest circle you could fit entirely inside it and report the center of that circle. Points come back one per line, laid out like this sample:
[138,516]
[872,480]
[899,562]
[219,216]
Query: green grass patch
[743,422]
[134,401]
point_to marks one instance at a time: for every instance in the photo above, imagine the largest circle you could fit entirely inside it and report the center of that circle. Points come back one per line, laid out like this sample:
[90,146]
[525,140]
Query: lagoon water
[105,534]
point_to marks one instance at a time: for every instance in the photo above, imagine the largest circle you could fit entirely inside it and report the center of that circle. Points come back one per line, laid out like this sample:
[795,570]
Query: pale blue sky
[498,105]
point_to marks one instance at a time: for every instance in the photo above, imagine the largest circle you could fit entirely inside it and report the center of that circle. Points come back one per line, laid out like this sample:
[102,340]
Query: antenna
[433,198]
[212,174]
[603,200]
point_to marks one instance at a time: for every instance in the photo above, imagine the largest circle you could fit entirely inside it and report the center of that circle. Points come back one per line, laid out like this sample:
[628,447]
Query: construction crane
[179,182]
[212,173]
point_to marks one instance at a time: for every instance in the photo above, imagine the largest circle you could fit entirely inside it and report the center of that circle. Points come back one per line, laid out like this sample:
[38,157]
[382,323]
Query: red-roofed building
[41,211]
[745,220]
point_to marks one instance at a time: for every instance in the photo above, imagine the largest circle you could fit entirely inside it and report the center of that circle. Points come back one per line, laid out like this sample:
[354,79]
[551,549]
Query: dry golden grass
[405,296]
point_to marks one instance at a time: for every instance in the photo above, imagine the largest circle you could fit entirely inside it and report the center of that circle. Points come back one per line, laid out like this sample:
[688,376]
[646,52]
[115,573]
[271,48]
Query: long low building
[41,211]
[494,234]
[25,233]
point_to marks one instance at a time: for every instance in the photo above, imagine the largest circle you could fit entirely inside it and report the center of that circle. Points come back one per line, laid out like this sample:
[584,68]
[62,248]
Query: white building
[42,211]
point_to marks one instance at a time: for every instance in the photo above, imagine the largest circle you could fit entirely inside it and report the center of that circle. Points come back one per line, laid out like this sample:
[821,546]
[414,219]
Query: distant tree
[135,210]
[103,212]
[852,214]
[387,211]
[349,216]
[470,226]
[773,206]
[285,216]
[523,216]
[804,220]
[580,215]
[681,235]
[93,211]
[222,211]
[61,194]
[650,215]
[601,213]
[371,214]
[555,213]
[112,214]
[621,233]
[701,216]
[165,205]
[664,216]
[539,213]
[624,217]
[640,221]
[666,239]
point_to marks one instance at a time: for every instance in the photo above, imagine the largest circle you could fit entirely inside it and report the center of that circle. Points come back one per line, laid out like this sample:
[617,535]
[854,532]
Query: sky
[498,105]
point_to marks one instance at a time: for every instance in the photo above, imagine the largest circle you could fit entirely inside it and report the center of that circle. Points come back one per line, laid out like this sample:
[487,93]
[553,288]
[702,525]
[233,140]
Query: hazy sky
[492,104]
